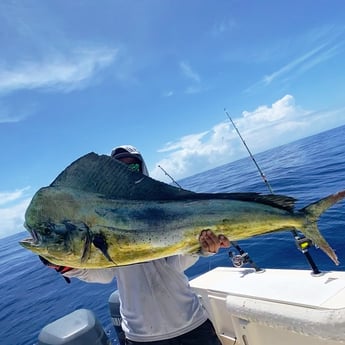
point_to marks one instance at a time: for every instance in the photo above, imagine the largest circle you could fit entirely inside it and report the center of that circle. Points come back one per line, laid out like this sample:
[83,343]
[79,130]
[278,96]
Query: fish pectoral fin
[100,242]
[87,248]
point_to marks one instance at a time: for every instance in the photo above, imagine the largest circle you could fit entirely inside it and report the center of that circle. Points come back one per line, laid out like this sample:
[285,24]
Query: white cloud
[195,82]
[6,118]
[12,210]
[263,128]
[223,27]
[318,46]
[6,197]
[189,72]
[282,108]
[16,112]
[302,63]
[168,93]
[58,72]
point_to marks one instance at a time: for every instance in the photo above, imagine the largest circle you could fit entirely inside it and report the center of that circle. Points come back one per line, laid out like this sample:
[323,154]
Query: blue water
[309,169]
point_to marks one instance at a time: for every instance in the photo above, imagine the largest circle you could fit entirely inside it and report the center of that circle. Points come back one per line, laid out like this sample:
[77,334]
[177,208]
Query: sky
[82,76]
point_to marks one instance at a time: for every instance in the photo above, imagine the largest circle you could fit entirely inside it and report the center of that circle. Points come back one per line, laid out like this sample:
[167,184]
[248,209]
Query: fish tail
[310,229]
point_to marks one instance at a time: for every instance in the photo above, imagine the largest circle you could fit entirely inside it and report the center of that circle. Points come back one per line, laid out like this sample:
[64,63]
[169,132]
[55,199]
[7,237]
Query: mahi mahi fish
[97,213]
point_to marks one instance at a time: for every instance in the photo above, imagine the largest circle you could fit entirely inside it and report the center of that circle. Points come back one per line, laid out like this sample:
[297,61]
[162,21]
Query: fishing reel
[303,243]
[238,260]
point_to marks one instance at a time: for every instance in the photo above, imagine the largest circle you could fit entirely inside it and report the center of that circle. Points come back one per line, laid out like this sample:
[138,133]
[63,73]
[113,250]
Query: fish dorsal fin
[112,179]
[109,177]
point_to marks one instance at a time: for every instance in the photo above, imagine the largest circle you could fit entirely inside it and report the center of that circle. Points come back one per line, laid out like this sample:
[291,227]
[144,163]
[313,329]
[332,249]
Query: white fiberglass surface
[287,286]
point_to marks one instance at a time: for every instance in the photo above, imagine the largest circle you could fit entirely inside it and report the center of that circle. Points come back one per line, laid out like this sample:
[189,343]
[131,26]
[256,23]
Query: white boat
[274,306]
[246,306]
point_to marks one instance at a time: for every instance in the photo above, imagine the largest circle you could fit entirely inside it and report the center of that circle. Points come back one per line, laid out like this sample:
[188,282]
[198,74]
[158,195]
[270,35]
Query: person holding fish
[158,306]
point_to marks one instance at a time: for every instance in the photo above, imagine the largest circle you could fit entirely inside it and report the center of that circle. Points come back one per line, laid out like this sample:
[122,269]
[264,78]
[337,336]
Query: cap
[129,151]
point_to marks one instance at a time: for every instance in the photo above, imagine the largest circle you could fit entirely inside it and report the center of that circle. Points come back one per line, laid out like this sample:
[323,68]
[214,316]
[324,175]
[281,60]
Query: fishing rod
[171,178]
[250,154]
[302,243]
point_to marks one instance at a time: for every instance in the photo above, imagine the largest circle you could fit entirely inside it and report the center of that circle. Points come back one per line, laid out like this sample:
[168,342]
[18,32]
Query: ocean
[308,169]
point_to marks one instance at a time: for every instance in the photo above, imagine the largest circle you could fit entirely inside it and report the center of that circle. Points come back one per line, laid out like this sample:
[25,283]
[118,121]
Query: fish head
[53,236]
[60,243]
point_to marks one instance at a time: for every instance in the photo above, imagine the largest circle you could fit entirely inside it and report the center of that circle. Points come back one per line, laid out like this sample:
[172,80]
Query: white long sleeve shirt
[157,302]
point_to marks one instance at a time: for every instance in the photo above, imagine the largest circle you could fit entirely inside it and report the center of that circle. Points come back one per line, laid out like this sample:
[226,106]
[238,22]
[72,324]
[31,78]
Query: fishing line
[302,243]
[171,178]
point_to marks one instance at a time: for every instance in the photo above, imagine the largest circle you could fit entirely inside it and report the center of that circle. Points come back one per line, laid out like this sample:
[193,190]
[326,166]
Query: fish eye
[46,231]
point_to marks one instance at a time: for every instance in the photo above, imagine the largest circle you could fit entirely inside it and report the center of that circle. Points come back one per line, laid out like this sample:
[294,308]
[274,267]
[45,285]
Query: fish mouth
[28,243]
[32,241]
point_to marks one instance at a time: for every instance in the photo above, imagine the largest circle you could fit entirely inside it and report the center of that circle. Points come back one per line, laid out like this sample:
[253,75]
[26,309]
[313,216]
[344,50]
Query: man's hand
[210,242]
